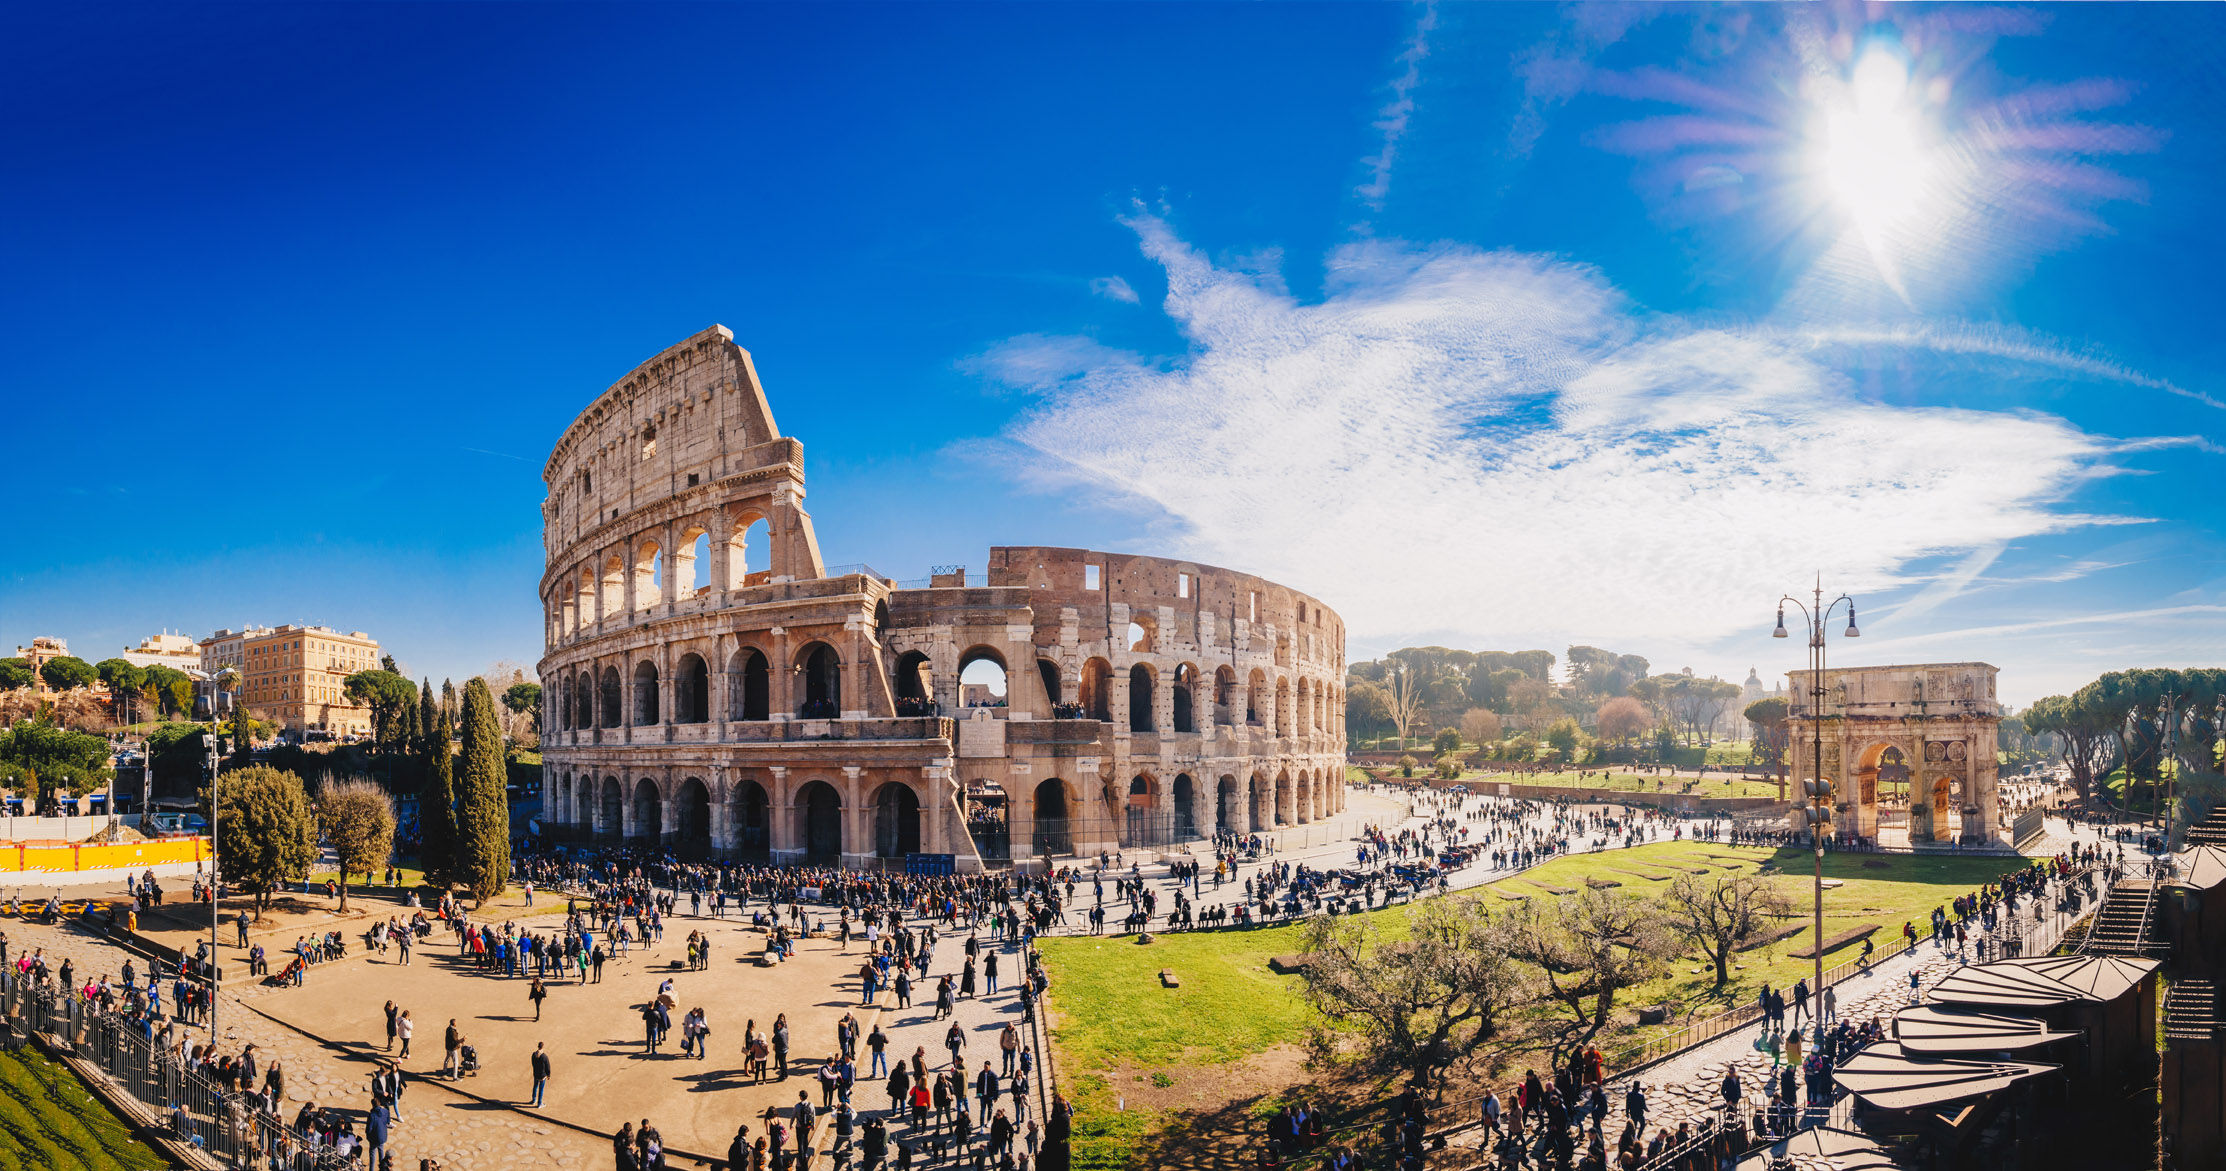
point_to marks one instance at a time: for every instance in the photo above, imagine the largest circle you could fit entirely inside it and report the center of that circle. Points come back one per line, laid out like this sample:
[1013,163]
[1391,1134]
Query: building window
[1182,585]
[1090,577]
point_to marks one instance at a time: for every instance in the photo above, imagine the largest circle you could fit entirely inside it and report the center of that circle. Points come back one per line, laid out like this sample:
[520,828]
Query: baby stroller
[467,1063]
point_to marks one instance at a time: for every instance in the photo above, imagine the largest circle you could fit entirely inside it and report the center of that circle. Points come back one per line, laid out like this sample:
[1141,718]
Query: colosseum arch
[1224,695]
[1096,691]
[896,820]
[1263,803]
[691,562]
[691,690]
[820,671]
[1227,806]
[608,702]
[1185,792]
[1142,683]
[914,683]
[645,816]
[819,815]
[1283,806]
[1142,803]
[1183,696]
[649,573]
[751,809]
[692,819]
[1255,695]
[987,667]
[1055,807]
[610,813]
[1048,671]
[645,694]
[750,688]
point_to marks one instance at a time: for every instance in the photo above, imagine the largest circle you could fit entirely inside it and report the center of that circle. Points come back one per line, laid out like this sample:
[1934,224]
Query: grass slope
[49,1121]
[1114,1021]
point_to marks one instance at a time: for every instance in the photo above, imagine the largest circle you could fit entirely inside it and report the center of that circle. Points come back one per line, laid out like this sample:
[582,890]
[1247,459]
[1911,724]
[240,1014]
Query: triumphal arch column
[1911,745]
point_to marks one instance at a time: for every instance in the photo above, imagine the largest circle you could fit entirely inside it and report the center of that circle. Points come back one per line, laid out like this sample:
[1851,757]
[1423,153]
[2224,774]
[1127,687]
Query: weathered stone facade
[1927,730]
[716,703]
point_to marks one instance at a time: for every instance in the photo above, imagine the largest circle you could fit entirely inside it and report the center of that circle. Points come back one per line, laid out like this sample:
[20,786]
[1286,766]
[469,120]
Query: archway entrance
[692,813]
[753,699]
[1140,794]
[819,823]
[1225,806]
[822,698]
[1186,816]
[751,822]
[649,812]
[1054,818]
[896,820]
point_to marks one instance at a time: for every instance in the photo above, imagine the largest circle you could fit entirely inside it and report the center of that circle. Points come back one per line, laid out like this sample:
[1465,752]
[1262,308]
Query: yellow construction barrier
[30,860]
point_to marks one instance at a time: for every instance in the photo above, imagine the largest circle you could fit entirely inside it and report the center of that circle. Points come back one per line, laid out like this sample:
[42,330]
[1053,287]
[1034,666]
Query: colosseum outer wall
[710,687]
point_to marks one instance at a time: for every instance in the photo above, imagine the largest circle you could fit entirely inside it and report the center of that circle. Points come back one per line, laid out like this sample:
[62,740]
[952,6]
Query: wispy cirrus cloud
[1490,443]
[1393,119]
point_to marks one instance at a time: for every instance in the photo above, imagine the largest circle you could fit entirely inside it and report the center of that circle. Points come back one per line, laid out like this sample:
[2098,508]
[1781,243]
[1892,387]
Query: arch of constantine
[711,686]
[1910,745]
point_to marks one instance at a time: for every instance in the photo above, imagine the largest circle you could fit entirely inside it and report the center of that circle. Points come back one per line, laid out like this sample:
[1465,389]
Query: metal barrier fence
[232,1127]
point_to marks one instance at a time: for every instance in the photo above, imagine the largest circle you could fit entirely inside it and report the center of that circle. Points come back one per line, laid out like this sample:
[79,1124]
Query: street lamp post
[215,885]
[1817,789]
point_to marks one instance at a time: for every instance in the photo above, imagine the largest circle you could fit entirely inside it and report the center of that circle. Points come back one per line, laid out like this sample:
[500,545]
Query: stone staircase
[2125,924]
[2211,831]
[2191,1011]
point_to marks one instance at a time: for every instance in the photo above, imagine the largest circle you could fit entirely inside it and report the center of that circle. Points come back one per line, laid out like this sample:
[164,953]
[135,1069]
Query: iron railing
[233,1127]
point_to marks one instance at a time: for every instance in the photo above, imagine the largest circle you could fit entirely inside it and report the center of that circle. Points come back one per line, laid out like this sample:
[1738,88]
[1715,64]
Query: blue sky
[1493,325]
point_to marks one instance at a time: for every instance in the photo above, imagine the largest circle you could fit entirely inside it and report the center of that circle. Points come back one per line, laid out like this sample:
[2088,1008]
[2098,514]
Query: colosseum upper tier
[713,688]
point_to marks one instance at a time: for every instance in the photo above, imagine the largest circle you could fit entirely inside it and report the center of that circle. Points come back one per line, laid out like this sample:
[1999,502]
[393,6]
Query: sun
[1873,152]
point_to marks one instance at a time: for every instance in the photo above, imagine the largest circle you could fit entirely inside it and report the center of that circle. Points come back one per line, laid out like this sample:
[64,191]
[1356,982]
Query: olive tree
[1723,913]
[1590,945]
[1418,1002]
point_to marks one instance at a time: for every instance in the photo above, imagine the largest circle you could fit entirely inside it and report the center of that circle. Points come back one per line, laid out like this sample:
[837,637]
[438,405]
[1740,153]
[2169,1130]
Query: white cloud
[1495,444]
[1113,288]
[1392,120]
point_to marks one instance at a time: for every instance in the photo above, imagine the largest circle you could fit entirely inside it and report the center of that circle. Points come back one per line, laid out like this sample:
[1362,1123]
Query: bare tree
[1725,912]
[1481,725]
[1419,1002]
[1408,699]
[1589,946]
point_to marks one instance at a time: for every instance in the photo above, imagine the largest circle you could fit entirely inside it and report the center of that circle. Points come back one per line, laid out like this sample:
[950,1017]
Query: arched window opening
[981,679]
[896,821]
[748,554]
[694,570]
[1224,696]
[1186,686]
[609,700]
[1225,807]
[1097,690]
[1186,817]
[750,686]
[915,685]
[1048,671]
[645,693]
[691,691]
[649,575]
[822,690]
[1140,698]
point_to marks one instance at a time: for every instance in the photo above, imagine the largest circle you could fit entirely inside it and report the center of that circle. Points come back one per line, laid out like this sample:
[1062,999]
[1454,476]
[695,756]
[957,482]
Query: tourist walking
[540,1073]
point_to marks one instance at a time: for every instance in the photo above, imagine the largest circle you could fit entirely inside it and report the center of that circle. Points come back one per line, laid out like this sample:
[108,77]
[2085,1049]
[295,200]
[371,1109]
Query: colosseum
[714,689]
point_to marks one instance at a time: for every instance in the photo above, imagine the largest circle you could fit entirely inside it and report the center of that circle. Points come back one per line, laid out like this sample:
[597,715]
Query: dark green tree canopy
[483,805]
[57,757]
[65,672]
[267,833]
[15,674]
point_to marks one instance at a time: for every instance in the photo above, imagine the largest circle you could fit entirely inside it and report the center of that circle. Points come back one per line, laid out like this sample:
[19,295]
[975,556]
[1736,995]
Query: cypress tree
[436,808]
[483,806]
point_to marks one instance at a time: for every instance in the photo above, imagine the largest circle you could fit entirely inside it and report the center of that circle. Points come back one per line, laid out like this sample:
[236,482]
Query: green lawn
[1115,1021]
[49,1121]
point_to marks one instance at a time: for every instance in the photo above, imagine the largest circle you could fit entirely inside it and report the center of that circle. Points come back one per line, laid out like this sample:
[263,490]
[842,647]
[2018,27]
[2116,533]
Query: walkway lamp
[1817,789]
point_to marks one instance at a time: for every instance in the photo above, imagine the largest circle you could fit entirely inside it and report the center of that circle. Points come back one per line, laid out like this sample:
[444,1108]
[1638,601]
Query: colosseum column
[857,821]
[935,814]
[722,810]
[780,829]
[780,699]
[668,802]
